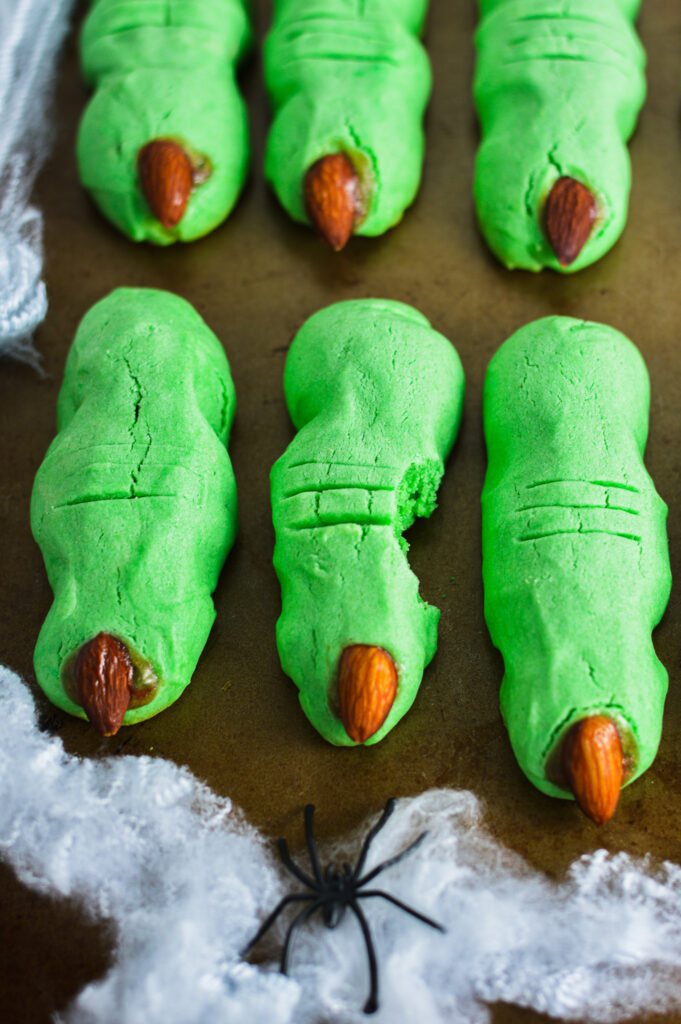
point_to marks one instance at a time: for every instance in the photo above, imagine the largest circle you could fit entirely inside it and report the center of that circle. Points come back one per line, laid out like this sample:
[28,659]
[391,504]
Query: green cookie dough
[558,88]
[376,396]
[575,561]
[134,506]
[164,70]
[348,76]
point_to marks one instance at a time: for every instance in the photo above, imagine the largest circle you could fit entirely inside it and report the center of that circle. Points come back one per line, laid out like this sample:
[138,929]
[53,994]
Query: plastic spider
[333,890]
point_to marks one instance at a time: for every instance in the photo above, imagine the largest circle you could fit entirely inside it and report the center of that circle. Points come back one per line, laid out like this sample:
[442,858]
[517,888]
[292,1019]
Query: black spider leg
[392,860]
[293,898]
[301,875]
[371,835]
[269,921]
[403,906]
[299,919]
[361,882]
[312,845]
[371,1004]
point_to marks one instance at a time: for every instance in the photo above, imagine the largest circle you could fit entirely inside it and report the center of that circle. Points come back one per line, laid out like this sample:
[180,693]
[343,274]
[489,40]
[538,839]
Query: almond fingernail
[165,173]
[332,198]
[367,684]
[570,214]
[593,765]
[104,681]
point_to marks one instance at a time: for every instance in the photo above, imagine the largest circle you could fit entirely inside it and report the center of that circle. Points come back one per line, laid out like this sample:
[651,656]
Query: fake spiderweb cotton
[604,944]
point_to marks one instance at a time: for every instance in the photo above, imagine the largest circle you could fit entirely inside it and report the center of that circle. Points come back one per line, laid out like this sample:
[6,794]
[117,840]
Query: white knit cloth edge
[31,33]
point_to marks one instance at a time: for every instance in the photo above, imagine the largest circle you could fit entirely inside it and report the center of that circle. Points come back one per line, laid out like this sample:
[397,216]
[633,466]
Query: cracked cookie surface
[575,558]
[558,88]
[164,71]
[134,505]
[376,396]
[348,77]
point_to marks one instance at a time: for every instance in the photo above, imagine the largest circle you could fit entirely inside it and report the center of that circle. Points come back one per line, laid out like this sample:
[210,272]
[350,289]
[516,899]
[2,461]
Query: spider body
[333,890]
[340,886]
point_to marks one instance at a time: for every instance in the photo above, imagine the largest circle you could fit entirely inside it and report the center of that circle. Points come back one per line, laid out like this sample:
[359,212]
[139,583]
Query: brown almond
[367,684]
[332,198]
[570,213]
[166,177]
[593,765]
[104,681]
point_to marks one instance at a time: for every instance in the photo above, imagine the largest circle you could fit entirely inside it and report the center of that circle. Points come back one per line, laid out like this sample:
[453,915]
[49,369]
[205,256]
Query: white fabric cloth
[31,32]
[183,881]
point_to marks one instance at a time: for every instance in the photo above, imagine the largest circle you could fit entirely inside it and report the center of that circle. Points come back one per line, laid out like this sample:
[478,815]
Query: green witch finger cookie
[349,82]
[163,144]
[558,88]
[575,560]
[376,396]
[134,508]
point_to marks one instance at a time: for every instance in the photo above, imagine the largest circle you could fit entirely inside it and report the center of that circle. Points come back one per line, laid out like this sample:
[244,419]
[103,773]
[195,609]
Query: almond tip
[331,190]
[104,680]
[166,178]
[367,685]
[593,766]
[569,215]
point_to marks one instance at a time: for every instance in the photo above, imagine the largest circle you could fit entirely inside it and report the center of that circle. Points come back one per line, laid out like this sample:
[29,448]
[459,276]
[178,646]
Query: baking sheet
[255,280]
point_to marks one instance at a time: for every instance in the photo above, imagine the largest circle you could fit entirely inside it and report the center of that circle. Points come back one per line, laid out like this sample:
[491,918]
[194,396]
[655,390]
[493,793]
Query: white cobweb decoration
[31,32]
[184,881]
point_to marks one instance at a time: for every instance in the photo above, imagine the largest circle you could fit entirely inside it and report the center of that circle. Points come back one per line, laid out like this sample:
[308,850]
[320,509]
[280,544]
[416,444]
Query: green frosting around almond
[558,87]
[134,506]
[348,76]
[376,396]
[165,71]
[575,560]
